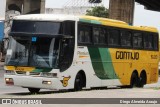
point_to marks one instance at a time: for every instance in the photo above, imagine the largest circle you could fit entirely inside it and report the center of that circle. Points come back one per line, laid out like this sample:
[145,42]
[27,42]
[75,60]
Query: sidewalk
[155,85]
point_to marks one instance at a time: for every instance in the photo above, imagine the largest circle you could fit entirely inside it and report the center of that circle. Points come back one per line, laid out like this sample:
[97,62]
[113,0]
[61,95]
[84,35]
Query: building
[76,7]
[67,10]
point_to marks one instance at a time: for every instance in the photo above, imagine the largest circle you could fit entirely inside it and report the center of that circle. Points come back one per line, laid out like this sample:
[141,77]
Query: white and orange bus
[77,52]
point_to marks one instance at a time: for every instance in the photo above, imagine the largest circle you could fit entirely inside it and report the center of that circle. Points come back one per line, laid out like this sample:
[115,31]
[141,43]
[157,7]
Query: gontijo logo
[127,55]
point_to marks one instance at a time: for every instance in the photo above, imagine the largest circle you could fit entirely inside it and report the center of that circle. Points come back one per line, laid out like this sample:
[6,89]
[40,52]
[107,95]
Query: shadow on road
[57,92]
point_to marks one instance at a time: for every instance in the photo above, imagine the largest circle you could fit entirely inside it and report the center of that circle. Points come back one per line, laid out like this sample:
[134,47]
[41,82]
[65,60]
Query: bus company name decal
[154,56]
[83,54]
[127,55]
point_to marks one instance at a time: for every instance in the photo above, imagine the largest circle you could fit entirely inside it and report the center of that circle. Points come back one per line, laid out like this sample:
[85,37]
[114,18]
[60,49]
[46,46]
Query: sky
[142,17]
[146,17]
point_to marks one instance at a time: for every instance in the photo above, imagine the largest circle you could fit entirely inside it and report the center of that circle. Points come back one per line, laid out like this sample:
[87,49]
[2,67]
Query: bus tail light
[9,81]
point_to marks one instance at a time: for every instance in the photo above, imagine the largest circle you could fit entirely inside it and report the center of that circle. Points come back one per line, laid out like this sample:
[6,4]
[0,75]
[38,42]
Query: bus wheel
[34,90]
[134,80]
[142,79]
[78,85]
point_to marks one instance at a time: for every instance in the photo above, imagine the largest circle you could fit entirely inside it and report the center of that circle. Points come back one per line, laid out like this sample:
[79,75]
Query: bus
[159,59]
[67,52]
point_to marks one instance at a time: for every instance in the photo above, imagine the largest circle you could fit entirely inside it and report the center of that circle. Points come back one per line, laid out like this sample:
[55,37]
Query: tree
[99,11]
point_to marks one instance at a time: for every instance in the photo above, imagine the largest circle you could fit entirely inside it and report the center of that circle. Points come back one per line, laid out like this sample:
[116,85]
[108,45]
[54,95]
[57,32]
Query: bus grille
[21,72]
[27,73]
[34,73]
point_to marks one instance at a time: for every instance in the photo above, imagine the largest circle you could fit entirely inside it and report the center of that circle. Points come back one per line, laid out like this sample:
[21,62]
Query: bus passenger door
[66,53]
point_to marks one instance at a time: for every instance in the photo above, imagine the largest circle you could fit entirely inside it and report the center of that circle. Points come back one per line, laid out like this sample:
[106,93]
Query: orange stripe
[83,56]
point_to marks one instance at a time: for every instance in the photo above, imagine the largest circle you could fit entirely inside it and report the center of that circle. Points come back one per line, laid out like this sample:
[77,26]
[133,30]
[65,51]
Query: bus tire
[34,90]
[142,79]
[134,80]
[78,85]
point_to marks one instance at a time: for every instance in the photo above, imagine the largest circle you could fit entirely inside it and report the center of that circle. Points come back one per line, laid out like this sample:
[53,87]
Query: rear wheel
[134,80]
[142,79]
[78,85]
[34,90]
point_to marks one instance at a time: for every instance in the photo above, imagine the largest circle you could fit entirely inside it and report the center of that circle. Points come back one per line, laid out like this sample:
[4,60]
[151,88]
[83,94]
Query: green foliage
[99,11]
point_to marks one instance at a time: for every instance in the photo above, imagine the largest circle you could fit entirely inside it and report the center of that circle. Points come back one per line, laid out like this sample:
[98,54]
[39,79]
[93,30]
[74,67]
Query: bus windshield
[33,51]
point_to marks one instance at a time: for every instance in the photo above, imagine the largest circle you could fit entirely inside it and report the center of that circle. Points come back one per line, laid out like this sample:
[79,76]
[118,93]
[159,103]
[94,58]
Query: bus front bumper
[33,82]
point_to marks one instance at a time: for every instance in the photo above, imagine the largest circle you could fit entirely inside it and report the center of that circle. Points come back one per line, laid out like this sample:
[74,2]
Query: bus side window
[155,41]
[84,34]
[145,40]
[81,36]
[99,35]
[126,39]
[103,36]
[148,41]
[96,33]
[88,36]
[113,37]
[137,40]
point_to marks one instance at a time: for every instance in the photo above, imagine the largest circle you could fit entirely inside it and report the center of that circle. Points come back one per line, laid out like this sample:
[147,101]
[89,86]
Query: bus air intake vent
[21,72]
[34,73]
[27,73]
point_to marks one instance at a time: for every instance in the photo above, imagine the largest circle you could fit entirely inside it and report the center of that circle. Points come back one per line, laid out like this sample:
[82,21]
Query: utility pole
[122,10]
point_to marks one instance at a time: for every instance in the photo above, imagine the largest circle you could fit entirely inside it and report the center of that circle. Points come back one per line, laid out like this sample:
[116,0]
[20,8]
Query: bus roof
[87,19]
[116,23]
[47,17]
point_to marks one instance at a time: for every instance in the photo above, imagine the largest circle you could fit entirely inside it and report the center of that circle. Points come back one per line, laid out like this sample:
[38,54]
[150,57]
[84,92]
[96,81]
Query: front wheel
[34,90]
[78,85]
